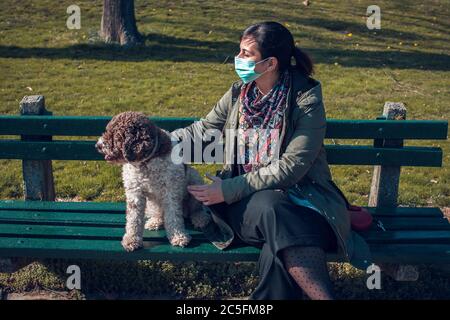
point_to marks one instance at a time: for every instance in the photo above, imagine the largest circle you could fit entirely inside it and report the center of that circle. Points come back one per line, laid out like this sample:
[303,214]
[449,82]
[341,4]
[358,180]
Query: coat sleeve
[294,163]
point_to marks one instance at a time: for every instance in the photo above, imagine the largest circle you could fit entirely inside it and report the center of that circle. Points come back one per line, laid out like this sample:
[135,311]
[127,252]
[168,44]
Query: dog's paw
[180,239]
[154,224]
[131,243]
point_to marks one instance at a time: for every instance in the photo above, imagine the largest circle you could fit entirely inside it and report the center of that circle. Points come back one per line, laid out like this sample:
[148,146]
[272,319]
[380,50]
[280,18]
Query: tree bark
[119,24]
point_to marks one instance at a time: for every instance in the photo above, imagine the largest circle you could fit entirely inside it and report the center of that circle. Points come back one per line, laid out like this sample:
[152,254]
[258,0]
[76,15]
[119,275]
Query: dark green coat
[302,170]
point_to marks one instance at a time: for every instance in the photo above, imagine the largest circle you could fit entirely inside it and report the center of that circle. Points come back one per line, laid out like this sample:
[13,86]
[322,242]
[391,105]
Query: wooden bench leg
[37,174]
[384,189]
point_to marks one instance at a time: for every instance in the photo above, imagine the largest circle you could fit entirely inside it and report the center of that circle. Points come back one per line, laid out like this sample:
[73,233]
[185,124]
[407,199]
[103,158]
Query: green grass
[196,280]
[186,65]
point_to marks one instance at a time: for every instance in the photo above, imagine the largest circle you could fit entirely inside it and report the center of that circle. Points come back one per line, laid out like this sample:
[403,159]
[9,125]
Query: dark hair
[275,40]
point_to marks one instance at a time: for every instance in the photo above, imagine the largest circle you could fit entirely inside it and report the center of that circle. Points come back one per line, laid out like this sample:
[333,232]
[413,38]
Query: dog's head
[131,137]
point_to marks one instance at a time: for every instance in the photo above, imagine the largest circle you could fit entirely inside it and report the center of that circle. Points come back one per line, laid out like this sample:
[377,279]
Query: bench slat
[104,218]
[88,206]
[73,125]
[198,251]
[55,217]
[107,233]
[336,154]
[419,223]
[80,232]
[367,155]
[386,129]
[411,253]
[119,208]
[408,237]
[403,211]
[337,129]
[112,249]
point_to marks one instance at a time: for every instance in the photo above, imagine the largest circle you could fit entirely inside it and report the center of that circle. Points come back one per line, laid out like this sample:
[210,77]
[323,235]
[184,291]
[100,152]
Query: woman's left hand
[208,194]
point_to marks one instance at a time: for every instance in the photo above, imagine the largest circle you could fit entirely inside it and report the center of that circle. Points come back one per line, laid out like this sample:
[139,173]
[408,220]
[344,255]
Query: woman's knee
[268,200]
[268,208]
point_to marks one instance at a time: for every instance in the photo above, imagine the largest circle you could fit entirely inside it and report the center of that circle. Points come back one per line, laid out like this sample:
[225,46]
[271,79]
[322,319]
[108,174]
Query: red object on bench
[360,218]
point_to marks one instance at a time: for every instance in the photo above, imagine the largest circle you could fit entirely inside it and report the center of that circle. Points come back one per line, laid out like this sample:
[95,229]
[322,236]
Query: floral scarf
[262,114]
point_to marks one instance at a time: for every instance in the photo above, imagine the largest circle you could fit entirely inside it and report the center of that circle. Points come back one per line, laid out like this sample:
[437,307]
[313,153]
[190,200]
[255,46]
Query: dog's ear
[165,144]
[129,148]
[139,143]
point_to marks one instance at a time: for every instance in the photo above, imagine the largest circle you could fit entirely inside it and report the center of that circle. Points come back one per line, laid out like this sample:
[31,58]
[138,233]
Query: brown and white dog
[155,186]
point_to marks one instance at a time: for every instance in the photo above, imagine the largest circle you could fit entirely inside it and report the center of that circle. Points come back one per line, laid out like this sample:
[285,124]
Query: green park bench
[39,227]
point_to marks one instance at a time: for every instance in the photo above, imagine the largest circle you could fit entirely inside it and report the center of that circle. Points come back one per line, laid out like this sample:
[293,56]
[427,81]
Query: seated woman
[289,208]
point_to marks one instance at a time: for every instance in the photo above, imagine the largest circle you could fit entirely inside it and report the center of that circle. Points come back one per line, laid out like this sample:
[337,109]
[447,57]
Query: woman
[291,209]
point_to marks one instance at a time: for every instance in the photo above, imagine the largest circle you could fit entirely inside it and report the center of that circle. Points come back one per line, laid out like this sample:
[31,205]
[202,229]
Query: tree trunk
[118,23]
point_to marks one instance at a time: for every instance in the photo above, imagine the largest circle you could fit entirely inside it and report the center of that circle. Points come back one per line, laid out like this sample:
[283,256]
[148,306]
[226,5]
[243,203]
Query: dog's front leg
[155,215]
[134,229]
[174,222]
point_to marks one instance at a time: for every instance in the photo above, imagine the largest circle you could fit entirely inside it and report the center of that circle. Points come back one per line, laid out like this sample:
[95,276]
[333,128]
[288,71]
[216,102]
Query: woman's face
[249,51]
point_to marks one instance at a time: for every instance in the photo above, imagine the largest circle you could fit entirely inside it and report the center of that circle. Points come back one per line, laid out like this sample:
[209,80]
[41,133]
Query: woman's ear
[273,63]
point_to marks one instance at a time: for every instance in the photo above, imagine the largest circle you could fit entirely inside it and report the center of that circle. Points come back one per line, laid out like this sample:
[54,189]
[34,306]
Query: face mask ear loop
[260,62]
[263,60]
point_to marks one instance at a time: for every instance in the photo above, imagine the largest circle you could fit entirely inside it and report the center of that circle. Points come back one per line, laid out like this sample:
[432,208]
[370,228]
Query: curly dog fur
[155,187]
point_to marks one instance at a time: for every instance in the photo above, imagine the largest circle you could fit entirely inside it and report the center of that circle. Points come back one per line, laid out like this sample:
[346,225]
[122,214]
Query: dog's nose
[98,145]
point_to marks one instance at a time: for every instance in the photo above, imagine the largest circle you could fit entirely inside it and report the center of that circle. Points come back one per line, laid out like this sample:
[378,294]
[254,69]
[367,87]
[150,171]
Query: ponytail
[275,40]
[303,62]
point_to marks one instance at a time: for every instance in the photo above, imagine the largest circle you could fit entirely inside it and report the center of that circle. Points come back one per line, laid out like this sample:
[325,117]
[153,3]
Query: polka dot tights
[308,267]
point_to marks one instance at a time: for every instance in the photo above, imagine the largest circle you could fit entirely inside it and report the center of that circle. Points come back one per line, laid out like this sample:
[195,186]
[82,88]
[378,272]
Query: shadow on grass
[384,34]
[167,48]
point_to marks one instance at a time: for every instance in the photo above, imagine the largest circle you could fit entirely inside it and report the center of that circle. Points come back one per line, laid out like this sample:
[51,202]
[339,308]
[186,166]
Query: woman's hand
[208,194]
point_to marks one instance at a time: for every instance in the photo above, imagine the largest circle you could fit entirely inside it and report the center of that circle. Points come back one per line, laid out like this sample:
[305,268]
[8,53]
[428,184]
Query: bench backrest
[382,144]
[38,130]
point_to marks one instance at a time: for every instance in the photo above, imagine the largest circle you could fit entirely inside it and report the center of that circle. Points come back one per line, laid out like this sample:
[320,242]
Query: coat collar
[305,90]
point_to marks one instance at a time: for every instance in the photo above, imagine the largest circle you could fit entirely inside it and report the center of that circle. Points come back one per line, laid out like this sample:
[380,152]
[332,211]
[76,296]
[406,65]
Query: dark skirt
[269,220]
[270,216]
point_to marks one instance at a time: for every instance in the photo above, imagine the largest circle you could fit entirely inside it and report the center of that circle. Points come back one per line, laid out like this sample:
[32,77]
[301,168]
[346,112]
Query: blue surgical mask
[246,69]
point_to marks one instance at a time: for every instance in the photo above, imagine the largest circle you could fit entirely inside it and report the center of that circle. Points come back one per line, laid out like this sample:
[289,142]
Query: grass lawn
[184,68]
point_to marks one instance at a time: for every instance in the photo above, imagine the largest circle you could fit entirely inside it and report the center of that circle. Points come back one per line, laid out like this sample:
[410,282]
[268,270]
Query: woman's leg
[308,267]
[275,283]
[268,219]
